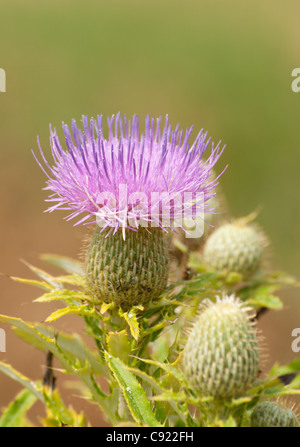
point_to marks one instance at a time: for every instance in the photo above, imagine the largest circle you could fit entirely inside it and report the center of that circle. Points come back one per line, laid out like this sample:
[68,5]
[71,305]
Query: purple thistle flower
[128,179]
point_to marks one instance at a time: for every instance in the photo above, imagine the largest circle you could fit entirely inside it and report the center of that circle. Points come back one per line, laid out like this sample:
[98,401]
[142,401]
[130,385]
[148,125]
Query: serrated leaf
[16,410]
[181,396]
[134,394]
[66,348]
[170,396]
[168,368]
[65,263]
[32,282]
[157,388]
[85,310]
[131,319]
[20,378]
[72,354]
[63,414]
[107,402]
[105,307]
[50,398]
[64,295]
[44,276]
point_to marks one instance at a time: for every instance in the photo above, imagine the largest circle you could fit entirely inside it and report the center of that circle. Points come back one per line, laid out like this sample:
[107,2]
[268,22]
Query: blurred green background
[224,66]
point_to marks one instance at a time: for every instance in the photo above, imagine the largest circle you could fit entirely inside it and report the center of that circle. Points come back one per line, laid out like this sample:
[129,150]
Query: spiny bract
[127,272]
[221,356]
[234,247]
[271,414]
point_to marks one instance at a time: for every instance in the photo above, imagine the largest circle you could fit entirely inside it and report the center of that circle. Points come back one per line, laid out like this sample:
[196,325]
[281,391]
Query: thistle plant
[175,352]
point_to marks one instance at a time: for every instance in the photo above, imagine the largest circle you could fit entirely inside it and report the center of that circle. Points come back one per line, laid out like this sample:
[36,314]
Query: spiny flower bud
[271,414]
[221,356]
[234,247]
[127,272]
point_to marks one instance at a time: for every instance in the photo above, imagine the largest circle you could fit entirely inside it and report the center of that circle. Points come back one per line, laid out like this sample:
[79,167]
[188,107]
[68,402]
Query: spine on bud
[271,414]
[221,356]
[234,247]
[127,272]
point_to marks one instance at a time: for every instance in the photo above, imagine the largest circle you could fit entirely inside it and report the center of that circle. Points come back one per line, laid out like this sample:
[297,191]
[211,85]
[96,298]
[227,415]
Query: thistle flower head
[221,356]
[129,178]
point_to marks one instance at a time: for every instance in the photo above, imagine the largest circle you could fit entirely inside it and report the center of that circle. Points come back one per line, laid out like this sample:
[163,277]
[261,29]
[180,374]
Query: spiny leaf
[72,354]
[131,319]
[51,399]
[181,396]
[105,307]
[63,414]
[46,338]
[171,396]
[23,380]
[168,368]
[157,388]
[85,310]
[65,295]
[44,275]
[133,392]
[41,284]
[65,263]
[14,413]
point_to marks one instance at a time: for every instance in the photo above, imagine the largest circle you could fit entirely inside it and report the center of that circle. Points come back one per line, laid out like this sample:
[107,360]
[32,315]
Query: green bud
[271,414]
[234,247]
[221,356]
[127,272]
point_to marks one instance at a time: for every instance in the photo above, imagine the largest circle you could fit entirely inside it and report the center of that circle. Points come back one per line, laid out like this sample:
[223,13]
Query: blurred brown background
[224,66]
